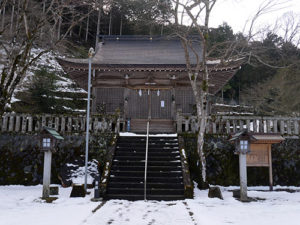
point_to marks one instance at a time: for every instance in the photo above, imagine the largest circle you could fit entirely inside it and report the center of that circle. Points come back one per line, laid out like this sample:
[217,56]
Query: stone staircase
[164,176]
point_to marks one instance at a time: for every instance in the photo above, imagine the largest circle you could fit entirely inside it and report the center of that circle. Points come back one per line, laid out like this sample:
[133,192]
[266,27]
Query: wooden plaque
[259,155]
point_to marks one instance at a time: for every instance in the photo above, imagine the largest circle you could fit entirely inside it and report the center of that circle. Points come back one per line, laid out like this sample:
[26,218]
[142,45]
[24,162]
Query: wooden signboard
[259,155]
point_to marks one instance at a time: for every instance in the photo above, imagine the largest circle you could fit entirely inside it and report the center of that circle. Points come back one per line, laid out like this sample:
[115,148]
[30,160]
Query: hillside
[277,95]
[56,92]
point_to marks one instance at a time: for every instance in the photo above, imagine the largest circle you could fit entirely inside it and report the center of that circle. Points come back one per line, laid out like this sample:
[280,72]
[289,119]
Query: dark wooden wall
[109,100]
[185,100]
[136,106]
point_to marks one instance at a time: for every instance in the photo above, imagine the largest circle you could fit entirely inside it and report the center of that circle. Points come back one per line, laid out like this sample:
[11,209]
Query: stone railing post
[296,127]
[289,129]
[11,122]
[63,124]
[248,125]
[30,124]
[282,126]
[69,124]
[56,124]
[4,122]
[275,126]
[227,126]
[24,123]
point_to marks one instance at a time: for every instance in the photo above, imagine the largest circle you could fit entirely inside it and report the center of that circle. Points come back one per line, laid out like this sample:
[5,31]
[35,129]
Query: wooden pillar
[270,167]
[47,174]
[243,177]
[179,122]
[94,94]
[126,98]
[173,106]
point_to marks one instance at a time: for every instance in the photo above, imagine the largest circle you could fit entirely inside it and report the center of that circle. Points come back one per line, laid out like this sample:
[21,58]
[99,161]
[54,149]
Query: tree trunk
[121,25]
[59,27]
[17,16]
[80,29]
[98,28]
[12,16]
[87,28]
[110,23]
[3,18]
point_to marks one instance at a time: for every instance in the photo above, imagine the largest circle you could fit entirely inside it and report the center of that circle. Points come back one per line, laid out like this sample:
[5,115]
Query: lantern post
[91,54]
[48,144]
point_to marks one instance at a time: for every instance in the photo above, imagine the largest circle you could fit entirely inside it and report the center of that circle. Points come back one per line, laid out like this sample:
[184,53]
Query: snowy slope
[64,85]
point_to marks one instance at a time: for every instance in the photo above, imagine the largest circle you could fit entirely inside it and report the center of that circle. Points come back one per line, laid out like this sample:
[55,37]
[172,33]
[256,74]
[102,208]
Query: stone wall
[22,161]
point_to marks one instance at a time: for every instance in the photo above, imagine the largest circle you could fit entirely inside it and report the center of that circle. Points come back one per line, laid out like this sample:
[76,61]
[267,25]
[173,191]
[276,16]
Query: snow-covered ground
[22,205]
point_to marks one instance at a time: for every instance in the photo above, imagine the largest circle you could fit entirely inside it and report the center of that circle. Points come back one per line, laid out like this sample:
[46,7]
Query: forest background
[269,81]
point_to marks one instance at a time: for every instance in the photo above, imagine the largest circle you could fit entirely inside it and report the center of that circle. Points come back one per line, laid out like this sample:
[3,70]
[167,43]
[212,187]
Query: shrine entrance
[154,105]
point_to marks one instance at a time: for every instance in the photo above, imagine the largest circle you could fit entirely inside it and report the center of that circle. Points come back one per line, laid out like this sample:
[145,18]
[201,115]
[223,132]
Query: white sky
[237,12]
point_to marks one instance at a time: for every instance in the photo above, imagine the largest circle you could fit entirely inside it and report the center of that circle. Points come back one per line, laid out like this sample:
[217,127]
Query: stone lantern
[49,139]
[242,147]
[254,150]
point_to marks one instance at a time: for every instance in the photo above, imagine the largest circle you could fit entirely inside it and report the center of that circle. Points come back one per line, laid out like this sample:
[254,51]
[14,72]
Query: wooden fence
[233,124]
[24,123]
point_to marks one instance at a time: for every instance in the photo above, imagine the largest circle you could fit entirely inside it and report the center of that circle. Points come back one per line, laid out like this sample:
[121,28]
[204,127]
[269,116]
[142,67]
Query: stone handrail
[233,124]
[26,123]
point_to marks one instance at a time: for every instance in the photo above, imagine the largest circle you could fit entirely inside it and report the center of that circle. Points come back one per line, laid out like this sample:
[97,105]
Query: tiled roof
[142,50]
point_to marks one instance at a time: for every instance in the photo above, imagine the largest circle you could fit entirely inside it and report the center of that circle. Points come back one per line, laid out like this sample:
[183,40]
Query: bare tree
[191,25]
[33,18]
[195,11]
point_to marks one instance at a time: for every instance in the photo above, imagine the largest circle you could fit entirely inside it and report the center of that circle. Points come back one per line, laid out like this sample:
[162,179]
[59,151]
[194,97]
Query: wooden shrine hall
[144,77]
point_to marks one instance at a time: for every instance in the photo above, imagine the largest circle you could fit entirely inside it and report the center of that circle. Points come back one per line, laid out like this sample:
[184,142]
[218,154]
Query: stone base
[77,191]
[215,192]
[54,190]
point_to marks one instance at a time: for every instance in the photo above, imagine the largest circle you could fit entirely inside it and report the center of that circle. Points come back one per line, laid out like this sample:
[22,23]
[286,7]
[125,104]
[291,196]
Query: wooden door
[138,104]
[161,104]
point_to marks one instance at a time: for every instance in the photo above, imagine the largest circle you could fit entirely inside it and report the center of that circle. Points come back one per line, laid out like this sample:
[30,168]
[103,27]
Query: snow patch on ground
[129,134]
[22,205]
